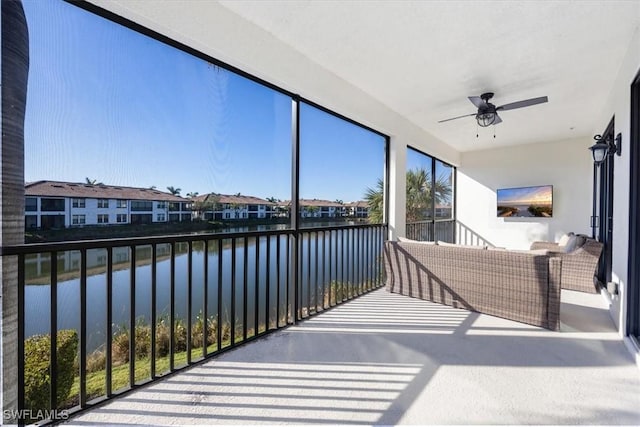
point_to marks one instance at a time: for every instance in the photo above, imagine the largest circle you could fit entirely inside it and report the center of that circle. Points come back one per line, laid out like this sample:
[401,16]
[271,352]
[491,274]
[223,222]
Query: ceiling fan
[487,114]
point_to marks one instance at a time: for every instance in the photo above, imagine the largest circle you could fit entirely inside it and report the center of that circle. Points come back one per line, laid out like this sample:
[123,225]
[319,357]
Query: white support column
[14,65]
[397,187]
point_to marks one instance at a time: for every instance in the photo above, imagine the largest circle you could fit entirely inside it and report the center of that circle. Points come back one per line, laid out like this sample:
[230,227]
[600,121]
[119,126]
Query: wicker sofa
[520,286]
[578,265]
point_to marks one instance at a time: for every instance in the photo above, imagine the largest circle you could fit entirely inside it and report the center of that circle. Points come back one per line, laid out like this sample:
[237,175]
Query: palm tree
[15,73]
[418,196]
[275,209]
[92,181]
[418,200]
[311,210]
[208,203]
[375,200]
[236,207]
[174,191]
[192,194]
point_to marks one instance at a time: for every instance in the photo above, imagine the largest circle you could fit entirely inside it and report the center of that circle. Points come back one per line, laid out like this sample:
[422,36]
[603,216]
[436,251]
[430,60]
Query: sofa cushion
[405,240]
[441,243]
[530,251]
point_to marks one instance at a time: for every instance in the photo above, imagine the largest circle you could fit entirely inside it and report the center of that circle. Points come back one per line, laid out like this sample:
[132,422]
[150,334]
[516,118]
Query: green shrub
[120,344]
[97,360]
[197,331]
[36,370]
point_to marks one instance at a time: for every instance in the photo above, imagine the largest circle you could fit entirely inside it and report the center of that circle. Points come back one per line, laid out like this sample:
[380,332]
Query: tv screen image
[526,202]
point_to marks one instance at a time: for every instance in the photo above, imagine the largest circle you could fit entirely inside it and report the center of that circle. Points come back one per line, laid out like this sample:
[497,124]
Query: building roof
[98,191]
[358,204]
[320,203]
[231,199]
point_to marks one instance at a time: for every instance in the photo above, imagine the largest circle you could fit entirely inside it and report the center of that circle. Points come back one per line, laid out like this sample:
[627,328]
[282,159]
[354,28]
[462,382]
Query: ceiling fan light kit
[487,113]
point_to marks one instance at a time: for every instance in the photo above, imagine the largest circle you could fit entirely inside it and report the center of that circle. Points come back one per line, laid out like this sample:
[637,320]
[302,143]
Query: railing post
[15,66]
[295,197]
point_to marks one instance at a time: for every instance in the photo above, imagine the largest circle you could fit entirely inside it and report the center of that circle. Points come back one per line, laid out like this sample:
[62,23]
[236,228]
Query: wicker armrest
[579,266]
[545,245]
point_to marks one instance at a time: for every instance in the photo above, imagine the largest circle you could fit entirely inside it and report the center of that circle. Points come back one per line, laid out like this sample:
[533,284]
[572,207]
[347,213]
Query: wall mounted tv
[526,202]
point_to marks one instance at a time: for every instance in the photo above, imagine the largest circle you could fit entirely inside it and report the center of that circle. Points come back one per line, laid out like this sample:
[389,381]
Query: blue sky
[526,195]
[110,104]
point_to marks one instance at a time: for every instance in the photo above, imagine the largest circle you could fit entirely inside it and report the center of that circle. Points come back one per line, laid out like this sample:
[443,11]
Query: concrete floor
[389,359]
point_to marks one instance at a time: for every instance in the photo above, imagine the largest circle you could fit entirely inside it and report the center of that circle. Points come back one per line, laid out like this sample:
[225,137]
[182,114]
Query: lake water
[321,263]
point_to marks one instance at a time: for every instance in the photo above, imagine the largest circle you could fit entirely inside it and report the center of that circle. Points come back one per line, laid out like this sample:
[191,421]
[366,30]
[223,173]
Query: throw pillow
[565,239]
[571,245]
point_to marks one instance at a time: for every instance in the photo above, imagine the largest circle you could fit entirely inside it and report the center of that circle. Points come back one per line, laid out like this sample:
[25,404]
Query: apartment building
[214,206]
[317,208]
[55,204]
[359,209]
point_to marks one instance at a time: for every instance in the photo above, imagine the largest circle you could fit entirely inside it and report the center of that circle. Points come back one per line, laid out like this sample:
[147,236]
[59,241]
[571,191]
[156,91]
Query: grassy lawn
[96,381]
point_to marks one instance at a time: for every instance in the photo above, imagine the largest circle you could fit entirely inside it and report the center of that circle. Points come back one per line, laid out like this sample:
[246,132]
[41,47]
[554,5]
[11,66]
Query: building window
[162,205]
[78,219]
[160,217]
[52,205]
[430,194]
[121,218]
[103,203]
[31,204]
[121,204]
[141,205]
[31,221]
[141,218]
[78,203]
[227,215]
[103,219]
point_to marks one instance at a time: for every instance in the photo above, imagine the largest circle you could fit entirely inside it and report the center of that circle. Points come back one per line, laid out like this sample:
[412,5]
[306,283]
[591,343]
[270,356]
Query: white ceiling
[422,59]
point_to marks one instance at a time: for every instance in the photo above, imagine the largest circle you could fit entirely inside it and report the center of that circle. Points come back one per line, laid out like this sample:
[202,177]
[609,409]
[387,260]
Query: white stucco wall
[618,105]
[566,165]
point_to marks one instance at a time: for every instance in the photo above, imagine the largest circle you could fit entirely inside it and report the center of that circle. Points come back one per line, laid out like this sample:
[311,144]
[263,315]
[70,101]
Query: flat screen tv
[526,202]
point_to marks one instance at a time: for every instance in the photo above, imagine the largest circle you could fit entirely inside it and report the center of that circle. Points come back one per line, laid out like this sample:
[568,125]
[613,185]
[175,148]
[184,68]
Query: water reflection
[262,271]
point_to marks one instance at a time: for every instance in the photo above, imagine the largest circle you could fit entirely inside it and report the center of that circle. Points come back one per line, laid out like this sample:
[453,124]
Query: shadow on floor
[389,359]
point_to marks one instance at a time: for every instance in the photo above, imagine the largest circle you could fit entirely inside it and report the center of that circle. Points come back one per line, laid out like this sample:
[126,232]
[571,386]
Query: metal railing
[443,230]
[158,304]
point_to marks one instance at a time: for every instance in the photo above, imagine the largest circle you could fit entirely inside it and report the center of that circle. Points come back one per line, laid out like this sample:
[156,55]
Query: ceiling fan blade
[476,100]
[525,103]
[459,117]
[497,120]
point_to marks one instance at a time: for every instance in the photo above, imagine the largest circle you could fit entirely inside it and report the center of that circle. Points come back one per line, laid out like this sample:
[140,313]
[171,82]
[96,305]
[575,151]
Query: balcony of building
[296,324]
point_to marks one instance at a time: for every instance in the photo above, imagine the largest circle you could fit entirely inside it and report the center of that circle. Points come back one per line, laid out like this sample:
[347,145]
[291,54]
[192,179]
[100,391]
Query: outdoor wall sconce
[605,147]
